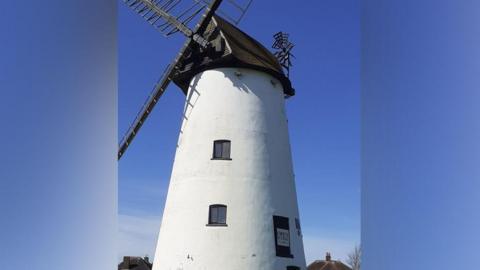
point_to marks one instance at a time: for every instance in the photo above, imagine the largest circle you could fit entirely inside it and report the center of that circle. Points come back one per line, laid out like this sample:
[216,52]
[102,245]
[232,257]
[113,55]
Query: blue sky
[420,134]
[324,121]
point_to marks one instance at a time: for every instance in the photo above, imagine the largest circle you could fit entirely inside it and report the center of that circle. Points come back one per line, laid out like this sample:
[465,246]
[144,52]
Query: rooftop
[328,264]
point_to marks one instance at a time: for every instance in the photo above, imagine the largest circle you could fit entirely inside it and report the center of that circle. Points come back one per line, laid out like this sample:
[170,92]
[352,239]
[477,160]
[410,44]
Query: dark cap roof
[230,47]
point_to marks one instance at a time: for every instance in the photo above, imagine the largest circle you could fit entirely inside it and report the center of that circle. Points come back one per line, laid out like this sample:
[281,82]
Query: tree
[354,258]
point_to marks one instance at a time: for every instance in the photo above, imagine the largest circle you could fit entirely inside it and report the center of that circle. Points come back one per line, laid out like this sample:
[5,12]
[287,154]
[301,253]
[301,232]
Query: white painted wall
[255,185]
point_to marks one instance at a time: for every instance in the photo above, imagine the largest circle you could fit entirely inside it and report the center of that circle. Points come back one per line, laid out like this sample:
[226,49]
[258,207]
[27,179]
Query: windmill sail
[232,10]
[173,16]
[147,108]
[169,16]
[171,70]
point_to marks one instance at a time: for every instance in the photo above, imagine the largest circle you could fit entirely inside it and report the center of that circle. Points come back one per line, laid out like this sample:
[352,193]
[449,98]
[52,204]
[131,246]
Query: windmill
[231,201]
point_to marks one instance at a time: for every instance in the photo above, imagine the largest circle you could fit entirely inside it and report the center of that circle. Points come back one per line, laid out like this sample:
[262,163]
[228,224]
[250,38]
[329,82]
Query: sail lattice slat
[232,10]
[169,16]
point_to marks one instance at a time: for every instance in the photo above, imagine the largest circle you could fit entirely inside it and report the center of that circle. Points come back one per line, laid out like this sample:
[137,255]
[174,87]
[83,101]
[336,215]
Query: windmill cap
[230,47]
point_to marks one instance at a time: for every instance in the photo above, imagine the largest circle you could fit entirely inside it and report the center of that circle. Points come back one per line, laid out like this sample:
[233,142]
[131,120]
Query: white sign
[283,237]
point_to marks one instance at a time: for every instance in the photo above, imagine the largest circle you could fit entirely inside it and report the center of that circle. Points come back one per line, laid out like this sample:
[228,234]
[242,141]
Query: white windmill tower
[231,201]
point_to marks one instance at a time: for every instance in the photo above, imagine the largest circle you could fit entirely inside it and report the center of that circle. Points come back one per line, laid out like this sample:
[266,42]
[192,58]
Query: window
[221,149]
[297,225]
[292,267]
[217,215]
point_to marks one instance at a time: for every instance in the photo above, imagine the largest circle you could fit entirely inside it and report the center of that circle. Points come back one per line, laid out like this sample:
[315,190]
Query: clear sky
[420,134]
[324,121]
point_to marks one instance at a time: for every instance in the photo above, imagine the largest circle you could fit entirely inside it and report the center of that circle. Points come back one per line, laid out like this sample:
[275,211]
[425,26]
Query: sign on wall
[283,237]
[281,231]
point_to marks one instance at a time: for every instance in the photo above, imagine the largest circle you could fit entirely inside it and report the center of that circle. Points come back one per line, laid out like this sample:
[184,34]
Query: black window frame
[211,222]
[222,156]
[298,226]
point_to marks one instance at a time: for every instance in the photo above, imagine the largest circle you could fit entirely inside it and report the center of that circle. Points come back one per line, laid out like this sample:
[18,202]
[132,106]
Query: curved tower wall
[246,107]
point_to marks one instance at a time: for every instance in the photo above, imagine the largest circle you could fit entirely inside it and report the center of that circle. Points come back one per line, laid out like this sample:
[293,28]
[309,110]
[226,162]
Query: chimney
[328,257]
